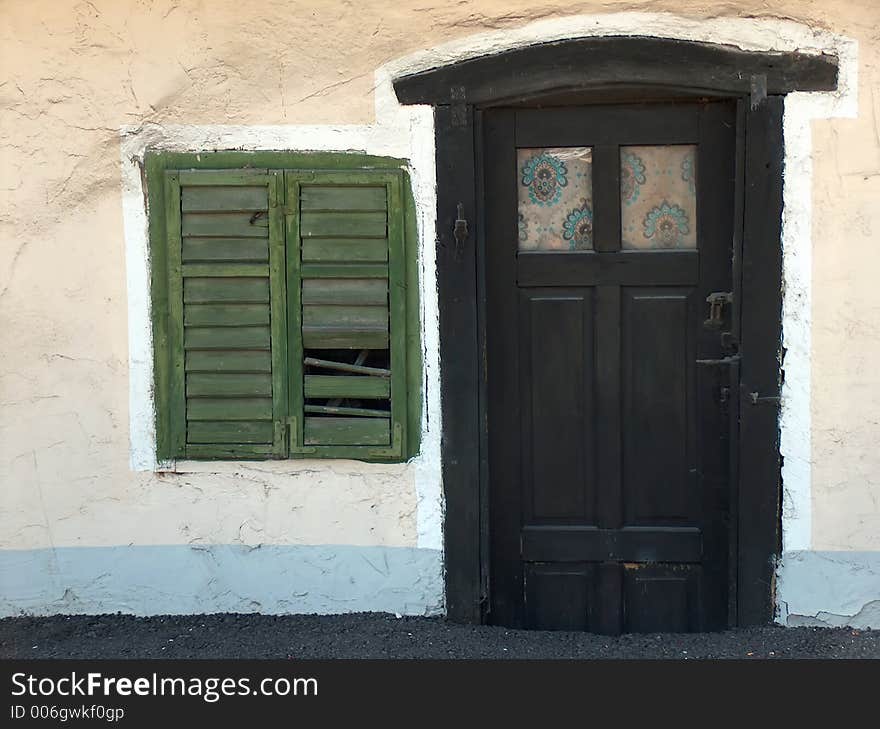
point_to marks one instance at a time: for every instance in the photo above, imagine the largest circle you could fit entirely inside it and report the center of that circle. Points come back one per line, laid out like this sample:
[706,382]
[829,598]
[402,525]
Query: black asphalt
[372,635]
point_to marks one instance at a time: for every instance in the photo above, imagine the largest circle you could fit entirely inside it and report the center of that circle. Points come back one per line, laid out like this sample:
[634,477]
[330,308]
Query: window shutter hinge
[294,436]
[396,449]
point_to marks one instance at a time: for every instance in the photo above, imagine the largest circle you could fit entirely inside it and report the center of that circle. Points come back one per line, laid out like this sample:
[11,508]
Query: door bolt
[717,300]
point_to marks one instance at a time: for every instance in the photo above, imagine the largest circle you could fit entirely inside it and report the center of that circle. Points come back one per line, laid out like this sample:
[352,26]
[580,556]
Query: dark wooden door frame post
[584,71]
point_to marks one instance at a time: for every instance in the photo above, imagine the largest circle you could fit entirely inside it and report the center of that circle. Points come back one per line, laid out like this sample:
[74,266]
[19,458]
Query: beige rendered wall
[75,72]
[846,319]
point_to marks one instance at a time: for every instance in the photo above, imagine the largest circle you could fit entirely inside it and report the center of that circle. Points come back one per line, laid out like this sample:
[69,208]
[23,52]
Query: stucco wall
[76,73]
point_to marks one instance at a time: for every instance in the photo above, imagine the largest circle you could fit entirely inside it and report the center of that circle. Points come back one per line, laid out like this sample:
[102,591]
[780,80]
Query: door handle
[732,359]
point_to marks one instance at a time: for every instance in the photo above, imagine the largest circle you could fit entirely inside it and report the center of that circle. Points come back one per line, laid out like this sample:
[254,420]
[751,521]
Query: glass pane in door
[658,197]
[555,198]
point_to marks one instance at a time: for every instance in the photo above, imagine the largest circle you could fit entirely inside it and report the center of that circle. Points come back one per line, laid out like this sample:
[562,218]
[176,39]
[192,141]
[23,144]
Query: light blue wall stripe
[829,588]
[182,579]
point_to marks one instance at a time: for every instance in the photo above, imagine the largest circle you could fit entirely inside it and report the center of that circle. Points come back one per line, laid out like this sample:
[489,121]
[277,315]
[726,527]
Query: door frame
[610,69]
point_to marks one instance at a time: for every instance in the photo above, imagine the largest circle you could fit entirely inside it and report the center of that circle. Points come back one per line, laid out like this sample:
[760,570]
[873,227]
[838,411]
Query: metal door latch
[717,301]
[729,360]
[460,231]
[756,399]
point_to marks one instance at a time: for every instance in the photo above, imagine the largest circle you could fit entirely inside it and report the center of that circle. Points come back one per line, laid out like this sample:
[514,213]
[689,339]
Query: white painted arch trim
[408,132]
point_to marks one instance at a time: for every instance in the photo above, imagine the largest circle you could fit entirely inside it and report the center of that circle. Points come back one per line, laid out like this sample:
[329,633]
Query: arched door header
[601,62]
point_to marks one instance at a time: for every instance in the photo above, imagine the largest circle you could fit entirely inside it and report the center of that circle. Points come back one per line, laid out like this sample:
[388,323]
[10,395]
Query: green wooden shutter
[346,283]
[226,320]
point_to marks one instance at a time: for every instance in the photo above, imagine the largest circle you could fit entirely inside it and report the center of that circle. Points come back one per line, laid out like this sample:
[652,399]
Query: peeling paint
[867,617]
[829,588]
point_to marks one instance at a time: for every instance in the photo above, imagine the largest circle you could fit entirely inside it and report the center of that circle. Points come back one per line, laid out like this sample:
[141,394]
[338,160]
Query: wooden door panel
[560,597]
[657,366]
[661,598]
[556,371]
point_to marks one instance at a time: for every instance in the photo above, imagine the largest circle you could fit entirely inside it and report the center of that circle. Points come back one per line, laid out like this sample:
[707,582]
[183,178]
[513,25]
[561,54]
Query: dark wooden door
[607,228]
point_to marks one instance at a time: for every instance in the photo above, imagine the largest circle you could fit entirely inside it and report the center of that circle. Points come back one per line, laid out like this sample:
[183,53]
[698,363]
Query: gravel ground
[372,635]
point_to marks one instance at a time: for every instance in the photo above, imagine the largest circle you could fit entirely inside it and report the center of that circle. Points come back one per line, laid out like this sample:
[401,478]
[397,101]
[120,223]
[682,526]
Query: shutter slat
[230,361]
[358,317]
[347,431]
[240,431]
[342,225]
[363,327]
[345,270]
[202,361]
[218,250]
[238,408]
[226,225]
[338,197]
[358,292]
[228,385]
[224,270]
[339,338]
[345,250]
[225,315]
[220,290]
[226,338]
[223,199]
